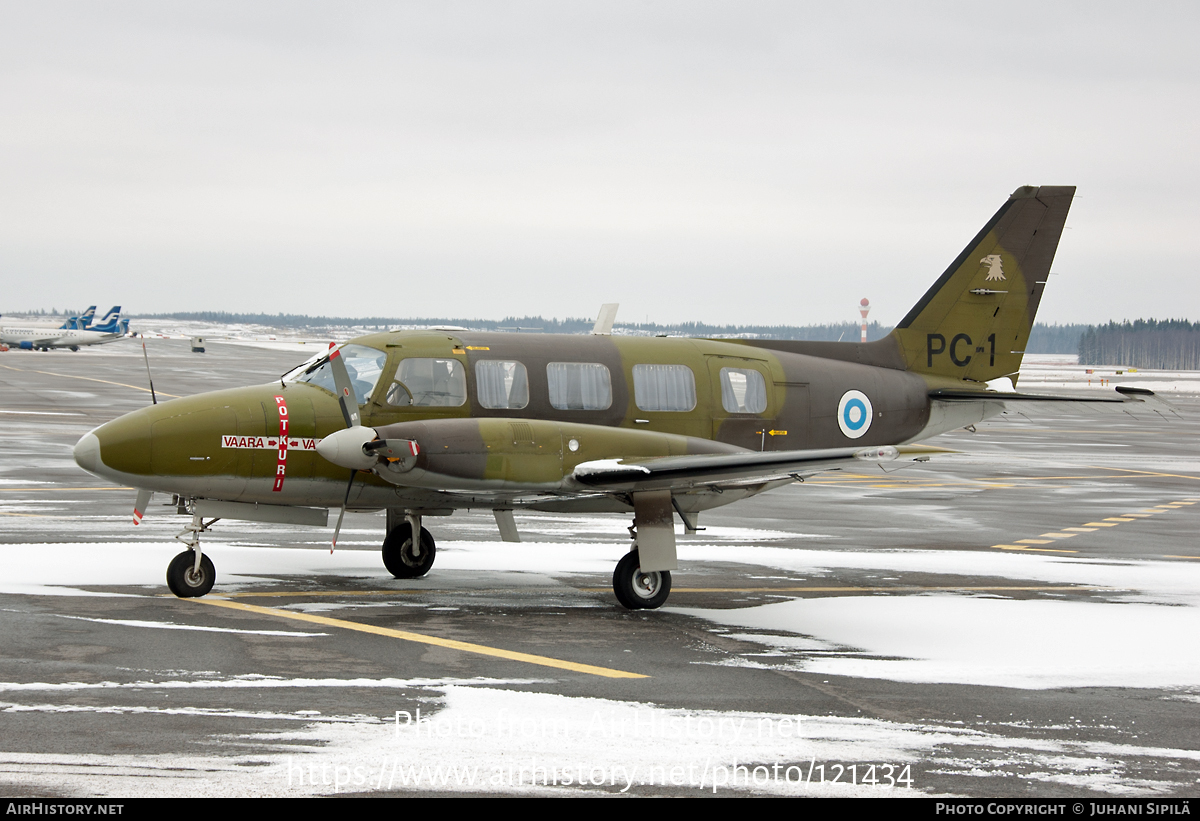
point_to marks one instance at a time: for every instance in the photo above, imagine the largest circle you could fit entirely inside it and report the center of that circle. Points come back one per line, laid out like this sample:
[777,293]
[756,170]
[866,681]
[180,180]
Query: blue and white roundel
[854,414]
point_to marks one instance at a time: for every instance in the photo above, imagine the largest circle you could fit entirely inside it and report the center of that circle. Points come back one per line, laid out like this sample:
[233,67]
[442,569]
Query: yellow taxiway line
[1091,527]
[45,487]
[89,379]
[404,635]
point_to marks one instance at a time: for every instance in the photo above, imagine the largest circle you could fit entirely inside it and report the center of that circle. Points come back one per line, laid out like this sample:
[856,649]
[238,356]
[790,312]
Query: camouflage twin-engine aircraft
[423,423]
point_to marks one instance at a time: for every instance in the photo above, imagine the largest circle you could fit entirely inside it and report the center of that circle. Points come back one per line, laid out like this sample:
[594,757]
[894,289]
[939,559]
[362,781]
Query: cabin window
[501,385]
[429,383]
[743,390]
[664,387]
[579,385]
[363,365]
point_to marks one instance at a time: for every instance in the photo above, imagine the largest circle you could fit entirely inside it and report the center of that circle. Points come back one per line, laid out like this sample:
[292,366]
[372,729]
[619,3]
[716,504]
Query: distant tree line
[1048,339]
[844,331]
[1171,344]
[1144,343]
[1055,338]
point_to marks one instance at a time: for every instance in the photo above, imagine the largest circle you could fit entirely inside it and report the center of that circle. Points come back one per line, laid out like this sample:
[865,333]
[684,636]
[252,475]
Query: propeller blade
[345,501]
[140,505]
[345,390]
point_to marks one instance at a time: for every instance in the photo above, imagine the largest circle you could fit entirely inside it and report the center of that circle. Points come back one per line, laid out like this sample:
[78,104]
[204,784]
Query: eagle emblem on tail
[995,268]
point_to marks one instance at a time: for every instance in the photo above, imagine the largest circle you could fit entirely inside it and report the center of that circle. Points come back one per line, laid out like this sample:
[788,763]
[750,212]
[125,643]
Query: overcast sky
[741,162]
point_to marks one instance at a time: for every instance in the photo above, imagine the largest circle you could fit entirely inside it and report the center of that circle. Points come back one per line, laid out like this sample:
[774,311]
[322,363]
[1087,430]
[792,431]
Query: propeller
[349,404]
[357,447]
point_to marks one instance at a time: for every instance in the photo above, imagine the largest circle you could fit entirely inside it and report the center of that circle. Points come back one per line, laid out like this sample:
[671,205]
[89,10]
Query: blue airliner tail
[81,322]
[110,323]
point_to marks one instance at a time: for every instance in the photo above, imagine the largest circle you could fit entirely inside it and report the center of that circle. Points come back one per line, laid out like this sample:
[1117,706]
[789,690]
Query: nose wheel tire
[183,579]
[398,553]
[636,590]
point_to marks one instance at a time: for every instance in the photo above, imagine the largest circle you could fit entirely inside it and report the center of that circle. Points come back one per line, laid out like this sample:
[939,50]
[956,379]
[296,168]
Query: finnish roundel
[854,414]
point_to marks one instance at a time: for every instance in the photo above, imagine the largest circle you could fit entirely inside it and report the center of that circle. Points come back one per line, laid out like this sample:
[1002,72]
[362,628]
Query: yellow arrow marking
[404,635]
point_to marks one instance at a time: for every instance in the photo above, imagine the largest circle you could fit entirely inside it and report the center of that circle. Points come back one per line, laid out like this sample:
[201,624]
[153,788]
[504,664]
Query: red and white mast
[864,307]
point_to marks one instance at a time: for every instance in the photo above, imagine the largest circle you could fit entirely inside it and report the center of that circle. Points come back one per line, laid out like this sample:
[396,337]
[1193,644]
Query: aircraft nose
[118,449]
[87,453]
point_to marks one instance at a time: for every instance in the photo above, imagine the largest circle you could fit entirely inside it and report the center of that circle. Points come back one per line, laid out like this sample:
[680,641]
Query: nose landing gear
[185,580]
[191,574]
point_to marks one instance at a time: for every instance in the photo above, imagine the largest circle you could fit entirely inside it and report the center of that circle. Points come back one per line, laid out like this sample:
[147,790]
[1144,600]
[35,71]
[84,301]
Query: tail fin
[974,322]
[109,324]
[79,323]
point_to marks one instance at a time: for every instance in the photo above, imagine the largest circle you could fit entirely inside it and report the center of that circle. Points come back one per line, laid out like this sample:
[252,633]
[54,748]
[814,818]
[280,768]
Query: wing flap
[681,472]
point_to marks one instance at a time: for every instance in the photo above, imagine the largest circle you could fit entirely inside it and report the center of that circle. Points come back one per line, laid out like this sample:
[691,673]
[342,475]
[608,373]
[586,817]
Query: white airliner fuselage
[37,337]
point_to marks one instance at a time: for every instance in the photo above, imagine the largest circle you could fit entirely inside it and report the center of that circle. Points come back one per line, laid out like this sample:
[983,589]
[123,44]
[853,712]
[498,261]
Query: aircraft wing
[683,472]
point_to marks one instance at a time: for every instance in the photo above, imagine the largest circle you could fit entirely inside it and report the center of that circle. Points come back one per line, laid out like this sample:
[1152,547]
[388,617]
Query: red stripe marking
[281,465]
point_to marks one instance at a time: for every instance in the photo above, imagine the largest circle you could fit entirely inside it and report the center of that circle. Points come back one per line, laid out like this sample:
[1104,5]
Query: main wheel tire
[398,555]
[636,590]
[184,581]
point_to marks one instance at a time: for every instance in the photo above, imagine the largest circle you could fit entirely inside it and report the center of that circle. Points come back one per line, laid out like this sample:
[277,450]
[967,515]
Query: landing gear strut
[402,556]
[642,580]
[191,573]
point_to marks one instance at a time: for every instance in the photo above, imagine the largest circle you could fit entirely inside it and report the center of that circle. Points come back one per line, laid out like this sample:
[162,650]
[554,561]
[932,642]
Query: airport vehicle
[74,333]
[423,423]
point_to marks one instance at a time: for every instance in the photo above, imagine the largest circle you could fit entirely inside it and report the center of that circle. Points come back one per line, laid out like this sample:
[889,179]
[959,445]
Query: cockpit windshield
[363,364]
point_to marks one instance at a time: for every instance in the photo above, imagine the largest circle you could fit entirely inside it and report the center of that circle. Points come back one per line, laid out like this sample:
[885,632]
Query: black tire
[183,582]
[636,590]
[398,555]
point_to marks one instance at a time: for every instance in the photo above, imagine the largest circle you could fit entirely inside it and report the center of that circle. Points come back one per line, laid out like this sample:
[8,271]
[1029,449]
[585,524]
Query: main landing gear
[653,534]
[191,573]
[405,557]
[637,590]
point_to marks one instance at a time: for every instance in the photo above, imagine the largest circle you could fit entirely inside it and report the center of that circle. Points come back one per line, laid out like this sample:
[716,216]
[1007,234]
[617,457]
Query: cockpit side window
[363,365]
[429,383]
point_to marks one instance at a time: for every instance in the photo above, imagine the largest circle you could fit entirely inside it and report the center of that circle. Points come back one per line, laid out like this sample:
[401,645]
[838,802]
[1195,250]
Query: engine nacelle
[499,454]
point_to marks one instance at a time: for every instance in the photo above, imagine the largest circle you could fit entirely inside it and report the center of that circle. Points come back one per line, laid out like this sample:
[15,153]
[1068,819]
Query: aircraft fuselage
[567,400]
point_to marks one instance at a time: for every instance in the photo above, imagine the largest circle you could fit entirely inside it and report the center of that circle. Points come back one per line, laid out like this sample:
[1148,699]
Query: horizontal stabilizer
[1128,399]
